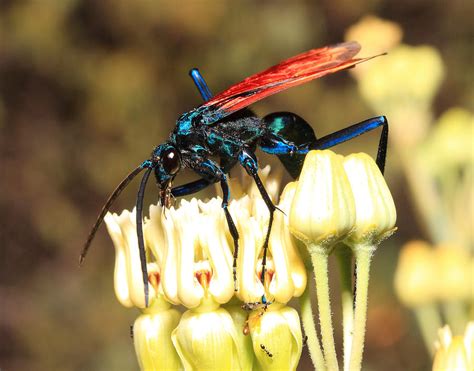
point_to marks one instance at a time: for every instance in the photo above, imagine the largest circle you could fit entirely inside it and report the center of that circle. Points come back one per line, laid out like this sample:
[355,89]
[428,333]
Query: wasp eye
[170,158]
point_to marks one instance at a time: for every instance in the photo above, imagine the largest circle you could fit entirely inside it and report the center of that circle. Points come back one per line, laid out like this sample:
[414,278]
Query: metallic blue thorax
[224,139]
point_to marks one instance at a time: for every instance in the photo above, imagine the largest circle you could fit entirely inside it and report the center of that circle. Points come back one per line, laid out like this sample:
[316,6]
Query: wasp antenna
[123,184]
[141,242]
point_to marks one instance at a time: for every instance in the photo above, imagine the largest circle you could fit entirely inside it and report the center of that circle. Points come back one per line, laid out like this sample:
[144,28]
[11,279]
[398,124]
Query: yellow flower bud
[454,353]
[415,277]
[152,337]
[323,210]
[276,337]
[454,276]
[409,74]
[376,36]
[207,340]
[240,316]
[402,85]
[449,145]
[375,209]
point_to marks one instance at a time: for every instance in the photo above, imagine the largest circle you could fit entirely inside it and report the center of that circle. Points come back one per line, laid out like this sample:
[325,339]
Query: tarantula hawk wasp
[223,127]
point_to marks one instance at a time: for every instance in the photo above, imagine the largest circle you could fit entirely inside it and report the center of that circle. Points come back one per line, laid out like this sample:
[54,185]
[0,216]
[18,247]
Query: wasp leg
[201,84]
[212,173]
[141,240]
[283,139]
[192,187]
[232,228]
[355,130]
[248,160]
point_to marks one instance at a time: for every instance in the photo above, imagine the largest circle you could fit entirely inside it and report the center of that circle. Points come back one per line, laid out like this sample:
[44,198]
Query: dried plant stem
[319,258]
[363,255]
[344,258]
[307,318]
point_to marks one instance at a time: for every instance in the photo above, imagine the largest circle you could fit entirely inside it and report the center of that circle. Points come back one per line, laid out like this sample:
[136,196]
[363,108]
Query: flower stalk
[312,341]
[344,259]
[363,255]
[321,215]
[320,266]
[375,221]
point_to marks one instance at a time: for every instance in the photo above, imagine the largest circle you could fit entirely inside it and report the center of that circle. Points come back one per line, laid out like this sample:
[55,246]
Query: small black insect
[267,352]
[224,128]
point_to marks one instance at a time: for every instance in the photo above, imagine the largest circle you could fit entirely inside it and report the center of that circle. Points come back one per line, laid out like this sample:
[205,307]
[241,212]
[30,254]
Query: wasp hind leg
[355,130]
[290,138]
[248,160]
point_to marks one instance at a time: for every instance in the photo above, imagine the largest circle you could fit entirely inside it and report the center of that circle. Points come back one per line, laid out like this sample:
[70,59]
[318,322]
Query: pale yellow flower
[415,277]
[290,276]
[454,353]
[152,337]
[450,144]
[128,281]
[454,276]
[376,36]
[375,210]
[323,209]
[276,337]
[207,340]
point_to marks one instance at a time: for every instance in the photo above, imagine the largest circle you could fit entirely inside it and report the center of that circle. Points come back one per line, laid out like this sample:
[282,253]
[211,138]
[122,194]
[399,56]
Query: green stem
[363,255]
[344,258]
[456,316]
[425,196]
[319,258]
[429,321]
[310,330]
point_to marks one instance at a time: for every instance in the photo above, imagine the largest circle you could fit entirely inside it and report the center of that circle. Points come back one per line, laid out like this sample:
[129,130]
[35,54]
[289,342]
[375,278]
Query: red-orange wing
[297,70]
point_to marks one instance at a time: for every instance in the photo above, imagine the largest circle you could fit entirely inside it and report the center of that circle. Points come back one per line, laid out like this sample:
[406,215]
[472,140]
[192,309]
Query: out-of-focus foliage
[437,159]
[87,88]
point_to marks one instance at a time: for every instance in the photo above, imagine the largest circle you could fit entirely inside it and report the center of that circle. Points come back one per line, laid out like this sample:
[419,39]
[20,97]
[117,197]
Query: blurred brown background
[87,88]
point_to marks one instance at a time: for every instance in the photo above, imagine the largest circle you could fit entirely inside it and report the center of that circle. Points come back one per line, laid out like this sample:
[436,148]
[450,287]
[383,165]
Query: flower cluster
[338,200]
[429,278]
[437,158]
[190,258]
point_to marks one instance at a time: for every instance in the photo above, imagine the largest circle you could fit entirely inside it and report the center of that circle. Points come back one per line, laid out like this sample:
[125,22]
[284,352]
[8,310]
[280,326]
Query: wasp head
[166,162]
